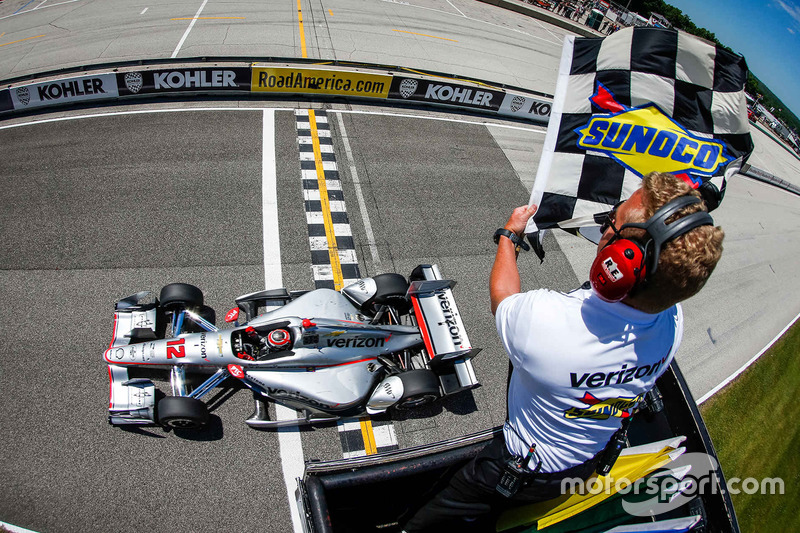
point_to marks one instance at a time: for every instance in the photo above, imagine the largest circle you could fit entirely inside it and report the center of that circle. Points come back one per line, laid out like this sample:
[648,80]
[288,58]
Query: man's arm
[504,280]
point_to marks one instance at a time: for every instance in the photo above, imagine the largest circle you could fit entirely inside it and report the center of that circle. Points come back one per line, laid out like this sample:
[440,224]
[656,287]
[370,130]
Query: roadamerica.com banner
[182,80]
[319,81]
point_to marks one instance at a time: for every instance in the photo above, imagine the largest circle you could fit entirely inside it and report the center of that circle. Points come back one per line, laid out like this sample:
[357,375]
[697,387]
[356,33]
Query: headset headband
[660,232]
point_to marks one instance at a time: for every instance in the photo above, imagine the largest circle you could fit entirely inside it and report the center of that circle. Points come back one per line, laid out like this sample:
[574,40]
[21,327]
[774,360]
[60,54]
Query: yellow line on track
[25,39]
[1,34]
[425,35]
[368,435]
[302,33]
[333,248]
[208,18]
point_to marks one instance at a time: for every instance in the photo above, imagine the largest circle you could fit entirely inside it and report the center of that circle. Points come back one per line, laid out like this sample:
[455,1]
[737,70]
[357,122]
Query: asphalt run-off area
[102,201]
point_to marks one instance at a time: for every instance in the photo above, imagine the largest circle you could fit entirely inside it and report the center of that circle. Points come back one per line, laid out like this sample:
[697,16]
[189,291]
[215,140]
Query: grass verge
[753,424]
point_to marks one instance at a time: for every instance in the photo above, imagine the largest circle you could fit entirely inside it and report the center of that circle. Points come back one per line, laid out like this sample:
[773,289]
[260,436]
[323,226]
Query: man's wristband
[513,237]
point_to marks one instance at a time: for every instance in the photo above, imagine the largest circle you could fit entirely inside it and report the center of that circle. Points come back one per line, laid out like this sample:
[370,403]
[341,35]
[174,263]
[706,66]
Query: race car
[382,342]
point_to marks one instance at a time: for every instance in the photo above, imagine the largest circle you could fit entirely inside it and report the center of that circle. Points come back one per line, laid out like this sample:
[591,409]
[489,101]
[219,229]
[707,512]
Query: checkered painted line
[334,263]
[333,257]
[362,436]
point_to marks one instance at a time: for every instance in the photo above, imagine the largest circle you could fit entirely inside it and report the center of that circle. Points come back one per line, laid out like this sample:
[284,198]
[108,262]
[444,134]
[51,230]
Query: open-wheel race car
[382,342]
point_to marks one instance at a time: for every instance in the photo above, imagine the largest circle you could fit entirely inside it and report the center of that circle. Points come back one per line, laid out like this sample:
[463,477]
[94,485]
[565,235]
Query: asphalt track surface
[455,36]
[98,208]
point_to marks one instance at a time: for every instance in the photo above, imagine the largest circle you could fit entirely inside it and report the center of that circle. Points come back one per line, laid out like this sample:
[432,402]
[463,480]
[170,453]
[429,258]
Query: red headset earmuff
[624,264]
[617,269]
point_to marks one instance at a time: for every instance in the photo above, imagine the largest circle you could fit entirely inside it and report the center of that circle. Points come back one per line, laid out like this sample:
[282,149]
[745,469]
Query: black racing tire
[420,387]
[181,295]
[181,412]
[391,291]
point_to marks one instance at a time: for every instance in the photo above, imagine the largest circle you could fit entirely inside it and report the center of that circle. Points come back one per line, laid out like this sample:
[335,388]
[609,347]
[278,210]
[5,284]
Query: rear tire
[181,412]
[181,295]
[391,291]
[420,387]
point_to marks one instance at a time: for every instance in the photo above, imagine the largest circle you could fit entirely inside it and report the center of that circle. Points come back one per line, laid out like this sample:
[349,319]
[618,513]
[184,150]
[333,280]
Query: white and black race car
[382,342]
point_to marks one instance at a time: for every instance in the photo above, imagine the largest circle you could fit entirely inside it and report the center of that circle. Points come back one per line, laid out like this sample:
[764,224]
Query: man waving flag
[642,99]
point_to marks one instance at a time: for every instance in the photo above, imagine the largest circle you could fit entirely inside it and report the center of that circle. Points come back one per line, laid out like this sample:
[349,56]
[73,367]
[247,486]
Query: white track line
[454,7]
[186,34]
[142,112]
[15,529]
[744,367]
[362,205]
[273,275]
[38,7]
[291,447]
[534,128]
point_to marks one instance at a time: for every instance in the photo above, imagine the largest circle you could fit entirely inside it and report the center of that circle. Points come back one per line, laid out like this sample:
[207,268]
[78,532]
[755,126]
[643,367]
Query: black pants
[471,503]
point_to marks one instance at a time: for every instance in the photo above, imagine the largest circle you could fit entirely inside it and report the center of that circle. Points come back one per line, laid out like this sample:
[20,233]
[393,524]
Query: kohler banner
[72,90]
[474,97]
[193,79]
[445,92]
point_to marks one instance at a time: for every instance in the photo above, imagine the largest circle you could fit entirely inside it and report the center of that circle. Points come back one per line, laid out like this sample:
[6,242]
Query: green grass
[755,428]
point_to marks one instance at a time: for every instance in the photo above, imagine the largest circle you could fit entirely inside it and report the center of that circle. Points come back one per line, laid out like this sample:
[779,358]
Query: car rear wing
[443,332]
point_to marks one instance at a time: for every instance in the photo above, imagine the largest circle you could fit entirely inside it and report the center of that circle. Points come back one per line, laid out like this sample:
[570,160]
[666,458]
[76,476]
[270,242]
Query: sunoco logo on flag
[644,139]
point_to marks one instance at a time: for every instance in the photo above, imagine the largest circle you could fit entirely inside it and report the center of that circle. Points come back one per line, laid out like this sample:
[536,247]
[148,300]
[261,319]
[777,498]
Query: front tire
[181,412]
[181,296]
[420,387]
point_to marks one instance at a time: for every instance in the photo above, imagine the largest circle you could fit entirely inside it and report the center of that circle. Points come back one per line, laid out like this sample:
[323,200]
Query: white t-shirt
[580,365]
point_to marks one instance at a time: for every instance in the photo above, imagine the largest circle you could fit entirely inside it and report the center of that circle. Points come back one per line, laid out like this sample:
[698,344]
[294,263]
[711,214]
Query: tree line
[754,86]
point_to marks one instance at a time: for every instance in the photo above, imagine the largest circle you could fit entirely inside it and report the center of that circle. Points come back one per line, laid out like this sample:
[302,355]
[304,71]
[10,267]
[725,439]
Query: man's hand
[519,219]
[504,279]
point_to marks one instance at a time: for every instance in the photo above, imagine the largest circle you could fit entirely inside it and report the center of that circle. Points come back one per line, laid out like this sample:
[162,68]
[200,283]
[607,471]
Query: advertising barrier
[277,80]
[69,90]
[319,81]
[178,80]
[485,99]
[525,107]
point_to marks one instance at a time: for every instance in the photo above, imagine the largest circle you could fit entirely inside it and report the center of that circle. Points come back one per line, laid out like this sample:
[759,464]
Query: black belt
[582,470]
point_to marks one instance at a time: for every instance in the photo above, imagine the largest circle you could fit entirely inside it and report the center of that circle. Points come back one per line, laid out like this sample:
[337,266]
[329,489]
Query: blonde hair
[686,262]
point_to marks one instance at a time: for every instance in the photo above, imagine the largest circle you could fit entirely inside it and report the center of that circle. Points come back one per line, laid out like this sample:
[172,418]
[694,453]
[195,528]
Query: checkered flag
[643,99]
